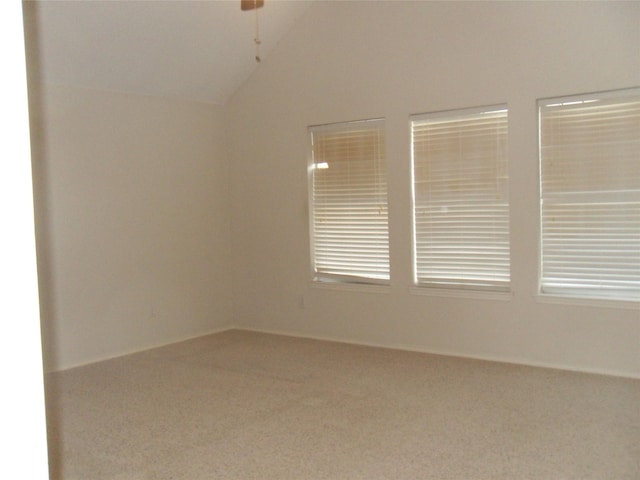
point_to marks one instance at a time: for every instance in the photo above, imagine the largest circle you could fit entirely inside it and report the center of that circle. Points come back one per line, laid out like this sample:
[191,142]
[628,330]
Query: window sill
[350,287]
[460,293]
[588,302]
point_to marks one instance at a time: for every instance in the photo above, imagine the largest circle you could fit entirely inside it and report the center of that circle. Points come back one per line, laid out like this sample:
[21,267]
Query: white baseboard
[414,348]
[408,348]
[124,353]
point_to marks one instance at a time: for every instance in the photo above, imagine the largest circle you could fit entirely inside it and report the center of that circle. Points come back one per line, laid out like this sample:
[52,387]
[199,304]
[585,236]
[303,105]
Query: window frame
[334,280]
[567,294]
[460,288]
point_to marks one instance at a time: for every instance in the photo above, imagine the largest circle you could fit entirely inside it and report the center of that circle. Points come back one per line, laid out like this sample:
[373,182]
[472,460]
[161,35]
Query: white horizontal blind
[590,195]
[461,201]
[349,217]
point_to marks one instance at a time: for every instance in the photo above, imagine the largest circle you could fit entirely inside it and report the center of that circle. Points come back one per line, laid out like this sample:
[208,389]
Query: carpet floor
[244,405]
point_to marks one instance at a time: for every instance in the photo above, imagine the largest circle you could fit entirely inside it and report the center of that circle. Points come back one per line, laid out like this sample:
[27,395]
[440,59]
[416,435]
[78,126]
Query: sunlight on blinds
[349,218]
[461,199]
[590,195]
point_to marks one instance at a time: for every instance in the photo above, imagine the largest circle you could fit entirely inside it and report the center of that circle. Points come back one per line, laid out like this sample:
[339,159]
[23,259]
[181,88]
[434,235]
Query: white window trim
[458,292]
[329,280]
[587,302]
[568,298]
[502,292]
[323,284]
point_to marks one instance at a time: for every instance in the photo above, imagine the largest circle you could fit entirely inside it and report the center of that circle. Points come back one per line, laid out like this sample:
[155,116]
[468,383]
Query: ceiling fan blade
[251,4]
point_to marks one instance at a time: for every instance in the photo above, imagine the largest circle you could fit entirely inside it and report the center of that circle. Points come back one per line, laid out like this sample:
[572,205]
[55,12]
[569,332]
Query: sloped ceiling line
[196,50]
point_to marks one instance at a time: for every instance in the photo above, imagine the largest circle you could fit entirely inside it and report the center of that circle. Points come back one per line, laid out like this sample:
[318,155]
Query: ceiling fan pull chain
[257,37]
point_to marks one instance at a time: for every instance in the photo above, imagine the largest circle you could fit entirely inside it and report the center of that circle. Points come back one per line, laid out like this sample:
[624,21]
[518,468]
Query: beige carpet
[241,405]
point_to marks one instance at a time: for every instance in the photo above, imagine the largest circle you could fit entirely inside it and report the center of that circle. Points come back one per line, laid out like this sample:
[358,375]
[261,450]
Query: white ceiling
[196,50]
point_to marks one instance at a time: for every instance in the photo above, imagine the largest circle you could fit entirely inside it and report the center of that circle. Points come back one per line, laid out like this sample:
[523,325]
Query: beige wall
[159,219]
[351,60]
[134,222]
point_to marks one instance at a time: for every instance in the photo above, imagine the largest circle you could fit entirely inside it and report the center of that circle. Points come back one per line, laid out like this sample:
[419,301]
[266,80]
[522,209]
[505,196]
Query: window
[349,218]
[460,199]
[590,195]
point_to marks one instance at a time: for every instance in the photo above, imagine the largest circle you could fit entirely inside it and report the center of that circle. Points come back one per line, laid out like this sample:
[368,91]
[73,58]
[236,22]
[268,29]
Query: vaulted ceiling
[195,50]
